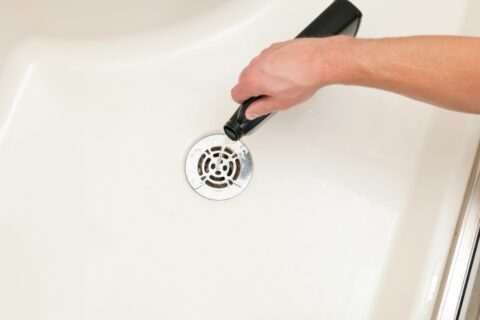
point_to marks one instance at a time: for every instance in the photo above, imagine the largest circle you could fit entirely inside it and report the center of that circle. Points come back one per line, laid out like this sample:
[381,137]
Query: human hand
[288,73]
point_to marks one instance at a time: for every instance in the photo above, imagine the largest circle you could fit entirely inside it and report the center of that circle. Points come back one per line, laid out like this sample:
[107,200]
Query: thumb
[262,107]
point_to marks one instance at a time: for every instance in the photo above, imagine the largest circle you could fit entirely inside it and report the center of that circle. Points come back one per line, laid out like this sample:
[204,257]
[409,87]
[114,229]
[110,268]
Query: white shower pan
[349,214]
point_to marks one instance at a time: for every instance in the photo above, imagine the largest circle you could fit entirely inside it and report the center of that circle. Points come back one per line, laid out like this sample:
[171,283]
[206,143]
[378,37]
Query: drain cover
[218,168]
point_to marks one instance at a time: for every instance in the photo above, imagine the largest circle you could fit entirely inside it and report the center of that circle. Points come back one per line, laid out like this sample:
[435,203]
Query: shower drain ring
[218,168]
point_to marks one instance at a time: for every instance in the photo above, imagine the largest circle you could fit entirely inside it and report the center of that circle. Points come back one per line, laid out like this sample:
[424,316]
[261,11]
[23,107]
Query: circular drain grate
[218,168]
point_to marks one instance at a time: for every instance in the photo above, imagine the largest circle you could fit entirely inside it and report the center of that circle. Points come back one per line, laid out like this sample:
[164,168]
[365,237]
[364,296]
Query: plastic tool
[341,17]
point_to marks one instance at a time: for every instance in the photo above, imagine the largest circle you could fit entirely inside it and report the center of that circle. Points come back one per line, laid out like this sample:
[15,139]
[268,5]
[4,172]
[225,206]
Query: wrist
[342,60]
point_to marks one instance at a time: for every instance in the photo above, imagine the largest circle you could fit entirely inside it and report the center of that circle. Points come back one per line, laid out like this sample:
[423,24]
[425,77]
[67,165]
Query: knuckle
[254,61]
[233,92]
[244,74]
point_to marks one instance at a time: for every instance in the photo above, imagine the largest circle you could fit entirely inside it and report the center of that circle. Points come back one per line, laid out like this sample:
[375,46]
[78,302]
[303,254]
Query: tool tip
[231,132]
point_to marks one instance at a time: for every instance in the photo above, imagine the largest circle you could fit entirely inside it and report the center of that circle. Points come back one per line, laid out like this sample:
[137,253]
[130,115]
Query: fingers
[254,82]
[246,89]
[263,106]
[242,92]
[248,85]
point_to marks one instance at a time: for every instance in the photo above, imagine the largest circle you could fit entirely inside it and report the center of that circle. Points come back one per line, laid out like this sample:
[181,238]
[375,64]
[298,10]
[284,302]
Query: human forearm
[441,70]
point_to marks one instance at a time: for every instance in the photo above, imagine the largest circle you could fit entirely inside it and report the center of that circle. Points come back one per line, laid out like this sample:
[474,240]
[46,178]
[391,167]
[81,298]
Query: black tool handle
[341,17]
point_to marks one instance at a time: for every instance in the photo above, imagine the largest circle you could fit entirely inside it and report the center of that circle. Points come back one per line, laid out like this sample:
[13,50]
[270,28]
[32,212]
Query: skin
[440,70]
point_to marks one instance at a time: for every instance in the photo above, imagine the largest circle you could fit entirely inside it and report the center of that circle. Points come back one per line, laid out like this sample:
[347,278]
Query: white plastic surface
[349,215]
